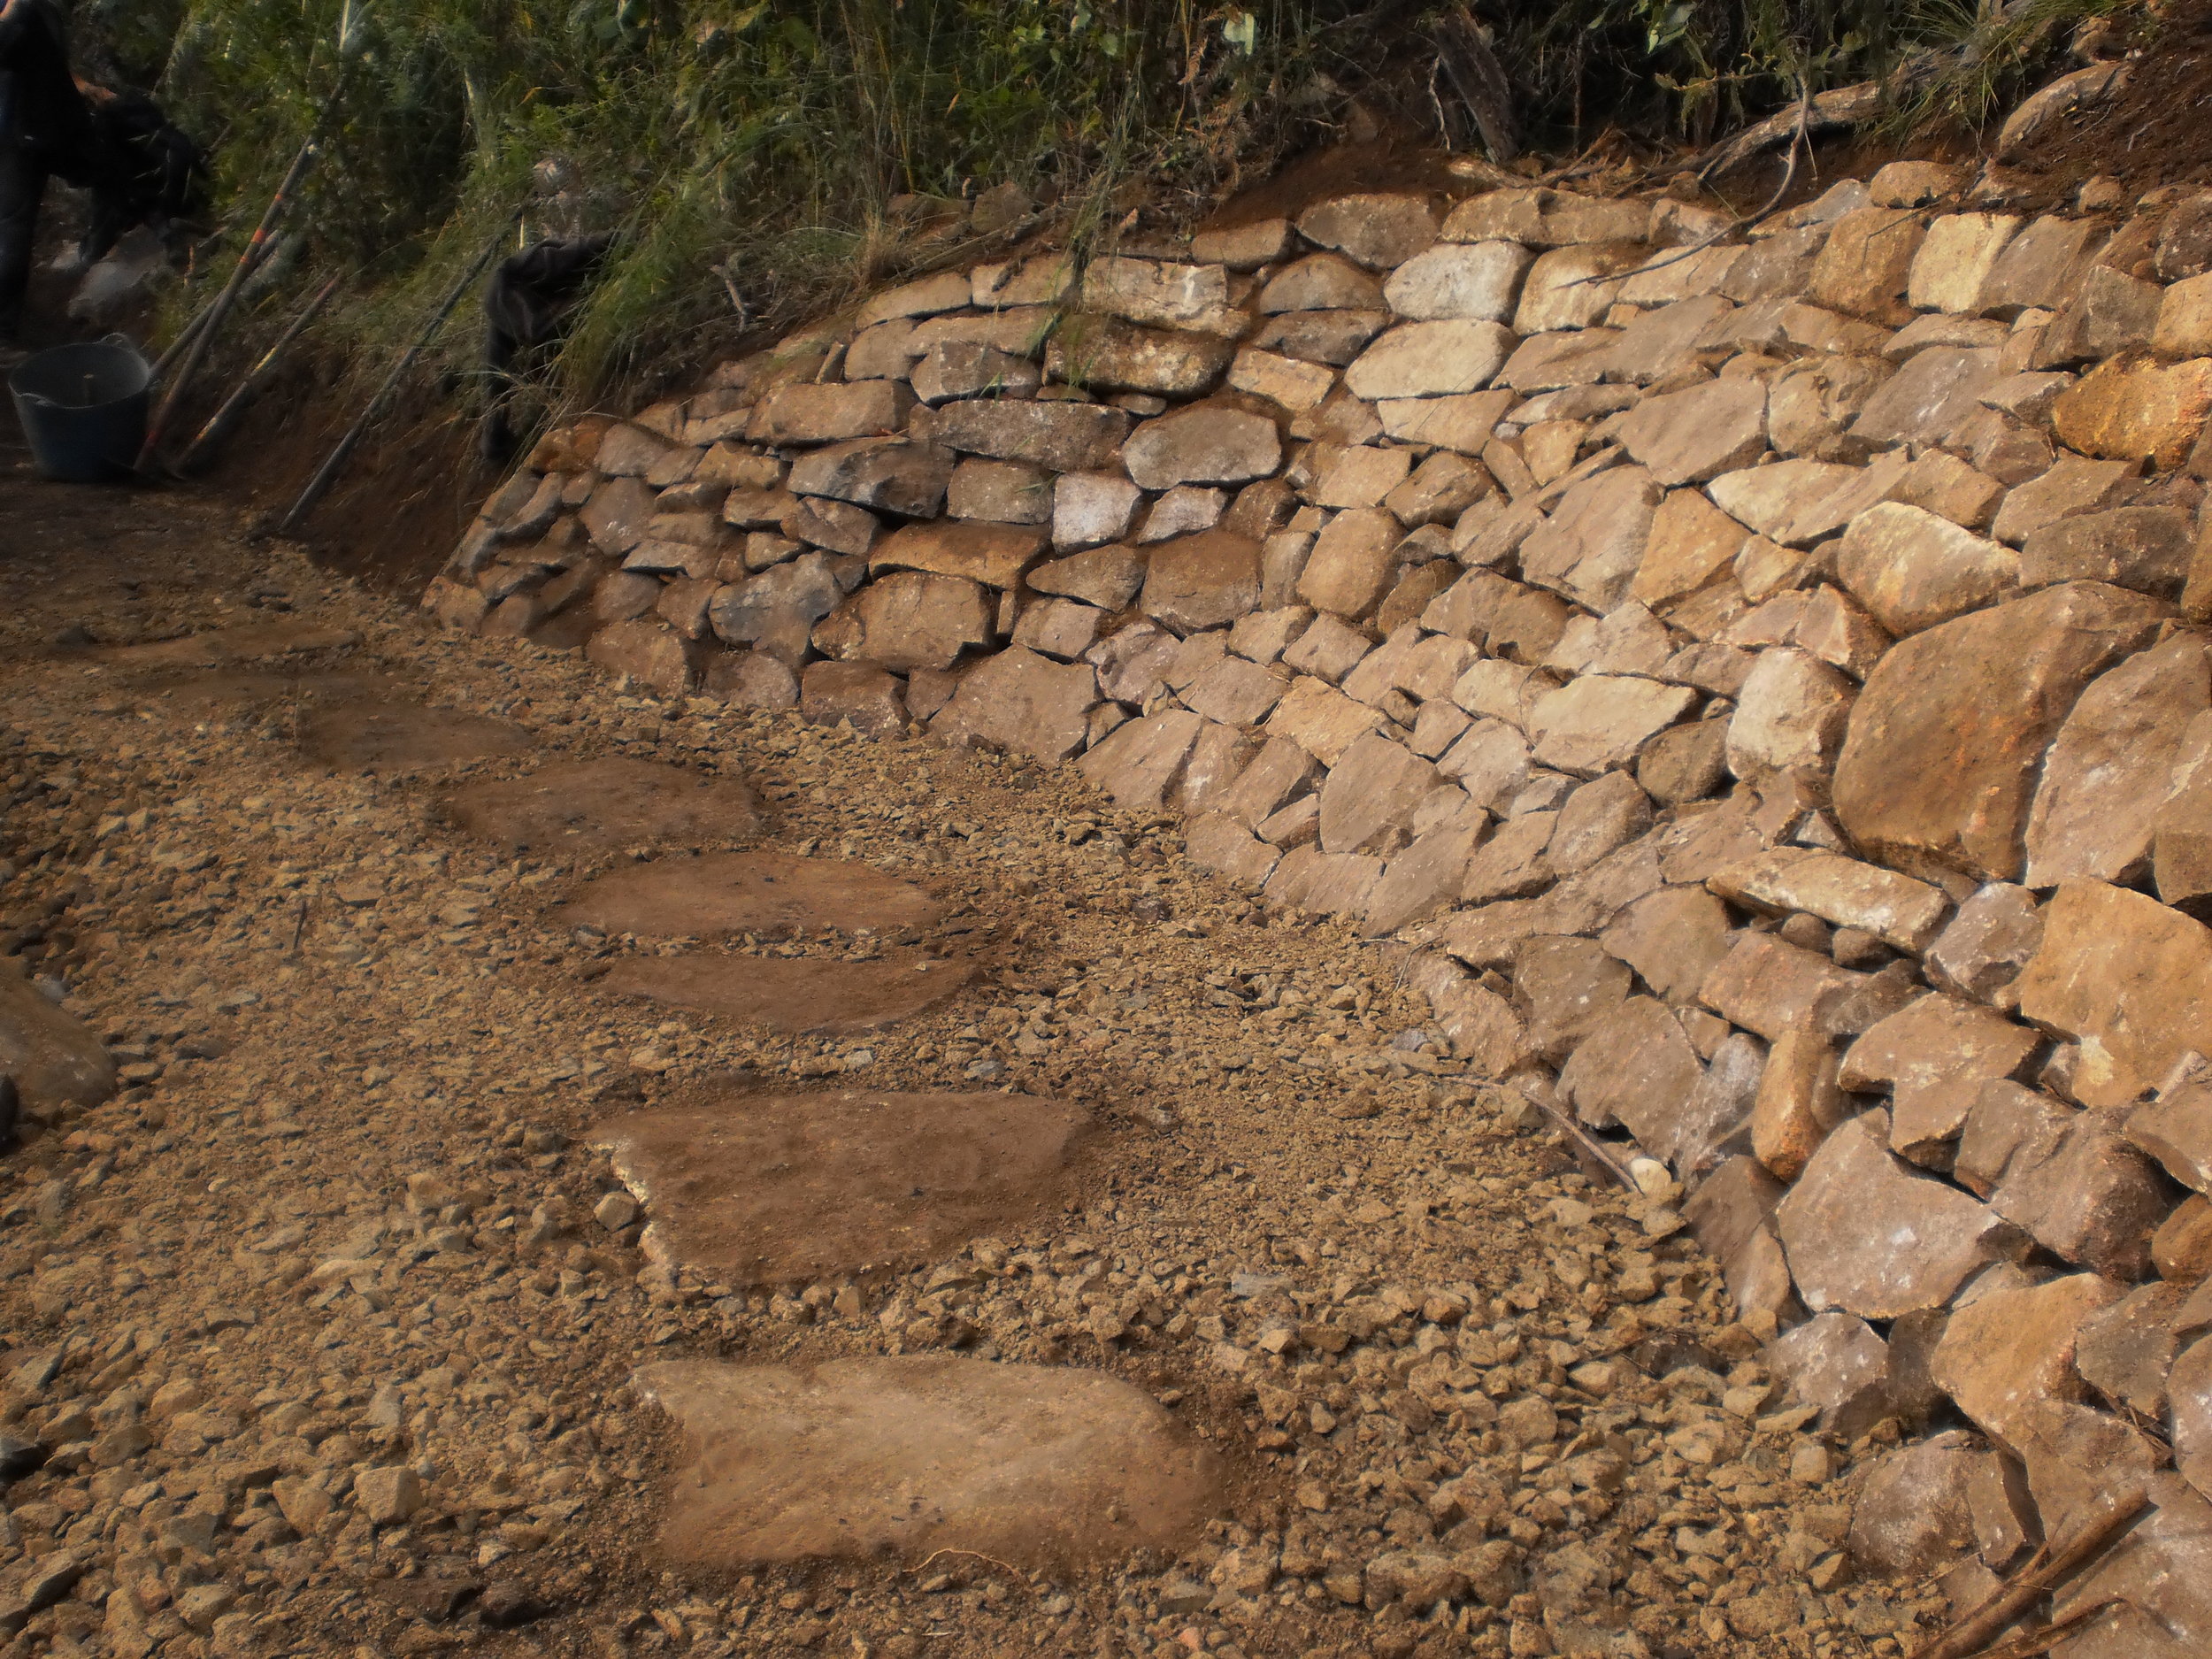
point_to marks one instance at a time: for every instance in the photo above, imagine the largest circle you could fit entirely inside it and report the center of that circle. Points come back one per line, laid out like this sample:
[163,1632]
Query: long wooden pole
[196,354]
[220,423]
[327,473]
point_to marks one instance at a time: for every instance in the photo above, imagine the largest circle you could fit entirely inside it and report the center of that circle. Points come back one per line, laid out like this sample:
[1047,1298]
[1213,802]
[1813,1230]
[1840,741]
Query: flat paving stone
[795,994]
[602,806]
[1041,1468]
[749,893]
[774,1188]
[360,736]
[249,688]
[247,643]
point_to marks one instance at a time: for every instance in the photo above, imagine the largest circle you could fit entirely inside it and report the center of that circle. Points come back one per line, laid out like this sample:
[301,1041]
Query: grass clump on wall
[752,148]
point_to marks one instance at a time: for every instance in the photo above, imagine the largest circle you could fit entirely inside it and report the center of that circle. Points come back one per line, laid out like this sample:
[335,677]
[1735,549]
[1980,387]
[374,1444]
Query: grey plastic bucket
[83,408]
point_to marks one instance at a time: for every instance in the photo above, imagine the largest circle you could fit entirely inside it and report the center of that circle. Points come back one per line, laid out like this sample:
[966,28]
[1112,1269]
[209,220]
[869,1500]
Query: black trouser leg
[22,183]
[497,438]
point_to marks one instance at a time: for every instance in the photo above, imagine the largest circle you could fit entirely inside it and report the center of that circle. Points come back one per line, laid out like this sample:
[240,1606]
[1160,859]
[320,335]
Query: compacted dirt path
[1221,1314]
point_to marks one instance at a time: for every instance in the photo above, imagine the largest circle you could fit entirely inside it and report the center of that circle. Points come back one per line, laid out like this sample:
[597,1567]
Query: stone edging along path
[1766,688]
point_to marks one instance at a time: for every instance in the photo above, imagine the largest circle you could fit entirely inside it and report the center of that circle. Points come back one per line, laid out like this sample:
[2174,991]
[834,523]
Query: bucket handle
[121,340]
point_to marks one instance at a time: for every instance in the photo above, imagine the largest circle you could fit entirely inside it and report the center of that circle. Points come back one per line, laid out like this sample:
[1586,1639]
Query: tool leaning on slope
[140,168]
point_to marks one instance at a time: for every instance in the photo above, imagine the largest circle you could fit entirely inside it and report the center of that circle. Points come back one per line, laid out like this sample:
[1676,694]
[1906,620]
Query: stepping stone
[360,736]
[795,994]
[248,689]
[776,1189]
[602,806]
[749,893]
[53,1057]
[1040,1467]
[248,643]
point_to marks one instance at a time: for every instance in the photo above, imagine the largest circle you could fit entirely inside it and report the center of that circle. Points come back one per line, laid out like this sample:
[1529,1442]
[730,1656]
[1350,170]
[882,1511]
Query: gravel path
[327,1318]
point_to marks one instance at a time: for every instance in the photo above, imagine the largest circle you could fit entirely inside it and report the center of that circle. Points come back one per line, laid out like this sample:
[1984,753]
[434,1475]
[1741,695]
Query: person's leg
[501,348]
[22,184]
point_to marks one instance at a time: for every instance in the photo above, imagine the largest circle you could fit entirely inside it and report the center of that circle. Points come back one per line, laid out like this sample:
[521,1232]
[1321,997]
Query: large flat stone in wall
[976,551]
[1139,763]
[1865,266]
[1352,562]
[1912,569]
[1928,400]
[1023,704]
[1769,986]
[1847,892]
[1945,744]
[1480,280]
[1321,719]
[888,474]
[1955,260]
[1106,577]
[1464,423]
[1206,443]
[1378,228]
[1932,1055]
[830,414]
[1118,356]
[1066,437]
[1370,796]
[1591,546]
[2128,980]
[2009,1352]
[1638,1069]
[1689,436]
[1320,282]
[1206,581]
[1867,1233]
[912,619]
[1431,359]
[2131,409]
[1163,292]
[776,610]
[1597,722]
[1790,715]
[2113,765]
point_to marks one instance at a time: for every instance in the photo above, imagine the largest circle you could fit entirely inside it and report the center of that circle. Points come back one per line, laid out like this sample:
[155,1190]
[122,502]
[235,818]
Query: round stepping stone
[749,893]
[363,735]
[245,644]
[771,1189]
[602,806]
[795,994]
[1040,1467]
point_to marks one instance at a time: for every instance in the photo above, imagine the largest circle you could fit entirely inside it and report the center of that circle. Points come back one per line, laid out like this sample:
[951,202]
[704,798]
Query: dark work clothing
[120,146]
[41,109]
[40,114]
[531,296]
[22,182]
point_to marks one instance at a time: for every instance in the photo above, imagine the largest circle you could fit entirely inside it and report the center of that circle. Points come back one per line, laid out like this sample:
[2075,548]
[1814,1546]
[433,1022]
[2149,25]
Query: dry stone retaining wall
[1764,681]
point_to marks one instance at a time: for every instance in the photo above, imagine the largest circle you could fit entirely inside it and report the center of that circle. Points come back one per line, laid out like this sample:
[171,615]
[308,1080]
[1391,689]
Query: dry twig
[1969,1636]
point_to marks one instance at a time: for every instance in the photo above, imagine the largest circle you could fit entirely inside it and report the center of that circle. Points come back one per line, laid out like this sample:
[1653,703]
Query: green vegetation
[755,149]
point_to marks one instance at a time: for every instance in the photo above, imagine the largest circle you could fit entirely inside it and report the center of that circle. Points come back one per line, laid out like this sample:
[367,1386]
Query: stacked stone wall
[1763,679]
